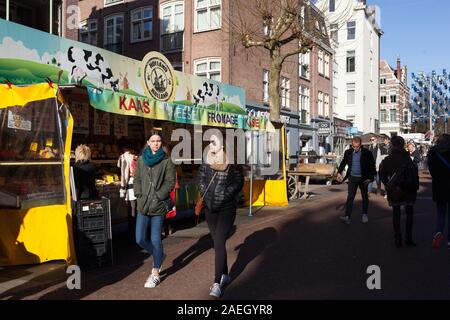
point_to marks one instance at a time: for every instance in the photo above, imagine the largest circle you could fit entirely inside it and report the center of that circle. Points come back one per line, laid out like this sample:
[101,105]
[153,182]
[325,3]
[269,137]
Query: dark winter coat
[223,192]
[440,173]
[152,185]
[368,170]
[416,158]
[393,164]
[84,176]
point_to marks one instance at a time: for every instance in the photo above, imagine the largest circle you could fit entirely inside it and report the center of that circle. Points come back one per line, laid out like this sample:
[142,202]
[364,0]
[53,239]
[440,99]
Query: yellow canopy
[11,95]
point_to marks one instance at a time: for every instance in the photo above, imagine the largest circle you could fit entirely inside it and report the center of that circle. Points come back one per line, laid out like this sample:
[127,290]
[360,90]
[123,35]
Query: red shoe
[437,240]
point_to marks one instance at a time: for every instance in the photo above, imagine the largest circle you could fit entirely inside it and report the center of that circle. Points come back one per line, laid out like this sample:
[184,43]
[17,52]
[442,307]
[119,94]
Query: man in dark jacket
[361,171]
[439,166]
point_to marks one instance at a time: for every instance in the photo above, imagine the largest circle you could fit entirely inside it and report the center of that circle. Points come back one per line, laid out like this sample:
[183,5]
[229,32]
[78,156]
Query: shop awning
[12,95]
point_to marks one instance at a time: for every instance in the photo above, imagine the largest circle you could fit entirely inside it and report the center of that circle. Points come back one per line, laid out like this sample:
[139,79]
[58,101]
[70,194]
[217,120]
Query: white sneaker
[152,281]
[215,290]
[345,219]
[224,281]
[365,218]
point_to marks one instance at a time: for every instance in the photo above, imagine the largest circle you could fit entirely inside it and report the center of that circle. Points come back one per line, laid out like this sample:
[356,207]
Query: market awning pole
[51,17]
[7,10]
[250,214]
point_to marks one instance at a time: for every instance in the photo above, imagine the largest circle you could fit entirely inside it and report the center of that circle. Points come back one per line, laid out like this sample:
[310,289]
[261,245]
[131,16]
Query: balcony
[172,41]
[114,47]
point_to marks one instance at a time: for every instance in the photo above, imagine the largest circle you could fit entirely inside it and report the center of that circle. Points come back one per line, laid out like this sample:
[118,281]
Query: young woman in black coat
[84,174]
[397,193]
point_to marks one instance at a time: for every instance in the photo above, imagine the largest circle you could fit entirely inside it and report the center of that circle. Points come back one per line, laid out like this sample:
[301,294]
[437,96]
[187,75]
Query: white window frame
[106,4]
[304,60]
[326,62]
[172,28]
[207,73]
[142,20]
[350,28]
[334,32]
[383,101]
[320,62]
[326,105]
[208,7]
[265,86]
[382,80]
[304,101]
[320,104]
[106,19]
[383,111]
[285,84]
[390,115]
[89,31]
[349,55]
[351,86]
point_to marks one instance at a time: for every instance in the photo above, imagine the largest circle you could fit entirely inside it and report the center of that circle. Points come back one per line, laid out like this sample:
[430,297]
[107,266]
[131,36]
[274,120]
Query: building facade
[354,28]
[395,115]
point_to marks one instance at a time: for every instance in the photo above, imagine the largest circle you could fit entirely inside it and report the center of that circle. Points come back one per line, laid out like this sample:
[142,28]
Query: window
[88,32]
[320,62]
[332,5]
[393,97]
[172,26]
[405,117]
[383,99]
[351,93]
[351,30]
[114,33]
[142,24]
[334,32]
[351,61]
[383,80]
[320,104]
[303,61]
[327,66]
[303,98]
[383,116]
[326,105]
[208,15]
[209,68]
[265,86]
[285,94]
[393,115]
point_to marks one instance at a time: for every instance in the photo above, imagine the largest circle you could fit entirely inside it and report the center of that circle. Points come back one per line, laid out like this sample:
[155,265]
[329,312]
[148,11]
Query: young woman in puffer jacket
[219,185]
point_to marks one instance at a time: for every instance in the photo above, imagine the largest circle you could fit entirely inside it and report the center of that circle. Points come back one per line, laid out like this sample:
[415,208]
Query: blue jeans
[442,209]
[377,180]
[151,242]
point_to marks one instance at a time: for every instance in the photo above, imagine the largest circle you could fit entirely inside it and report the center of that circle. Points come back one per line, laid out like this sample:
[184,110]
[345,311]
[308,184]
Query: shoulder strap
[209,185]
[444,161]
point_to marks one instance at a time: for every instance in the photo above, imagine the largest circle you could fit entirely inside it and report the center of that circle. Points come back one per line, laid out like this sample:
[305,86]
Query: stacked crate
[92,232]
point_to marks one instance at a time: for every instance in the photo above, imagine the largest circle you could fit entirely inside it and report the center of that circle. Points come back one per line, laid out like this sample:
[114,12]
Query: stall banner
[80,112]
[20,118]
[30,56]
[102,124]
[120,126]
[190,114]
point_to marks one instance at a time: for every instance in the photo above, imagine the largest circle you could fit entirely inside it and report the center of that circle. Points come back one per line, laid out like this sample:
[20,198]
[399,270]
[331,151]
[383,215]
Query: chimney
[399,70]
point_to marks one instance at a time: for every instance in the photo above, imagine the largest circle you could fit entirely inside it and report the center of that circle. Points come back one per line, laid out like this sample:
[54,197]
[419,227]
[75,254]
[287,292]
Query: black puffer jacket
[223,192]
[440,173]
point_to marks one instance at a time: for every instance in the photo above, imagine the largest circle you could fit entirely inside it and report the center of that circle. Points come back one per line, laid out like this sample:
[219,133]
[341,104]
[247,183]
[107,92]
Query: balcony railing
[172,41]
[114,47]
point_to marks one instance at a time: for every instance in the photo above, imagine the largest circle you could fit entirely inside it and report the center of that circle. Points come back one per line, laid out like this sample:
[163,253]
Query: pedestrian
[414,154]
[376,153]
[439,166]
[154,180]
[84,173]
[219,185]
[361,171]
[401,178]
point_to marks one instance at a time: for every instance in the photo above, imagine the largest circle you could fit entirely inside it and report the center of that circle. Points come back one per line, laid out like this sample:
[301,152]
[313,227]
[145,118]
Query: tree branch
[302,49]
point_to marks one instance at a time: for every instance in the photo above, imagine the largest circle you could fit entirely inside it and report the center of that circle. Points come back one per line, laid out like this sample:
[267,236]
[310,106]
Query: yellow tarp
[38,234]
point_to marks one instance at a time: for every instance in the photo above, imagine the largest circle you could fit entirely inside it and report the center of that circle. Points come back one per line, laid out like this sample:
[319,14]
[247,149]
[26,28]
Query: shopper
[219,184]
[376,153]
[400,176]
[84,173]
[439,166]
[153,181]
[127,163]
[361,171]
[414,154]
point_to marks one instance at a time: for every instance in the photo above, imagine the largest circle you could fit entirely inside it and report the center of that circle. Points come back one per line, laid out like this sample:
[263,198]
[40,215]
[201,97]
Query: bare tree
[282,27]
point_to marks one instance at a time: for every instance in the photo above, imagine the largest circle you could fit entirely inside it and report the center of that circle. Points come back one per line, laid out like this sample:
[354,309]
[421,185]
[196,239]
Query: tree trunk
[274,85]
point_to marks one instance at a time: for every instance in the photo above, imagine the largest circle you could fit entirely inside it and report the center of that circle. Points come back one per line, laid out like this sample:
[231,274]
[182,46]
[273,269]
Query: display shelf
[29,163]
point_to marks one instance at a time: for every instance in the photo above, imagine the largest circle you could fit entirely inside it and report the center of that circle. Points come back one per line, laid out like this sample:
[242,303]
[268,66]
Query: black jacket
[223,192]
[440,173]
[84,175]
[392,164]
[368,170]
[416,157]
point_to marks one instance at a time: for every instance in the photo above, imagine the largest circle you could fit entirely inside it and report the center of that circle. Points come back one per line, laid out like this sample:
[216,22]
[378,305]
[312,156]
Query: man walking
[361,171]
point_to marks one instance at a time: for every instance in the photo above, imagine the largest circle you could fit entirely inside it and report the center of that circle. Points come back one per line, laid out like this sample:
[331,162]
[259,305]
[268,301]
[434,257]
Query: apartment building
[355,29]
[395,115]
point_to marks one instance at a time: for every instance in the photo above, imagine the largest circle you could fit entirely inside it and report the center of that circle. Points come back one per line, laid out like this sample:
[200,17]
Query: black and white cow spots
[209,94]
[85,63]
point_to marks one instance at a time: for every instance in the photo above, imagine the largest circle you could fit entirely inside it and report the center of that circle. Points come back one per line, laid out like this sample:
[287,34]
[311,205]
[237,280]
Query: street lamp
[430,99]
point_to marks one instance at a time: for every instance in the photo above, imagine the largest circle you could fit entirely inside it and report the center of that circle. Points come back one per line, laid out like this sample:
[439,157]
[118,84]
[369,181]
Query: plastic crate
[92,207]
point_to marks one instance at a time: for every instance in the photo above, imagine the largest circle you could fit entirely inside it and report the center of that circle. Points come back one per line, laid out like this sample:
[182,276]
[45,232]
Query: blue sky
[418,31]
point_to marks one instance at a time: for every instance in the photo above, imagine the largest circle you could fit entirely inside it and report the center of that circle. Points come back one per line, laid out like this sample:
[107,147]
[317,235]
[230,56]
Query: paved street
[300,252]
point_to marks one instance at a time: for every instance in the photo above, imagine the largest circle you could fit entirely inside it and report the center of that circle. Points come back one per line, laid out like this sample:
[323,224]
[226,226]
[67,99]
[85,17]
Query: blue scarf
[150,158]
